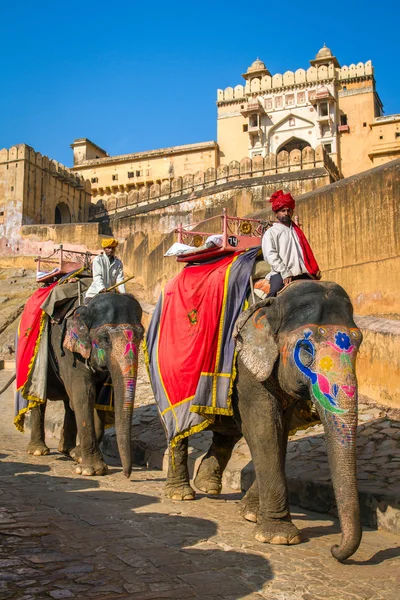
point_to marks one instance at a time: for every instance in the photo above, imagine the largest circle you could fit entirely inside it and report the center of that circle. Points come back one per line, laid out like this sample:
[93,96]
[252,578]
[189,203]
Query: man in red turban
[286,248]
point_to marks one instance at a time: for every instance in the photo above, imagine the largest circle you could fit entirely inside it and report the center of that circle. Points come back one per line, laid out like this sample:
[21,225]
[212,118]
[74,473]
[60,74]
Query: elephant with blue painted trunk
[99,340]
[297,348]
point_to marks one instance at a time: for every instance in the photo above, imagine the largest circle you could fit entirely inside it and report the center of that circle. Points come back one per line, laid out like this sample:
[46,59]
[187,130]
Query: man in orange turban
[107,270]
[286,248]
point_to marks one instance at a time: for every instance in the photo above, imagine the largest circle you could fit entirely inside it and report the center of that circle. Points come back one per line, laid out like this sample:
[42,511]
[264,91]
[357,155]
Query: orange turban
[280,200]
[109,243]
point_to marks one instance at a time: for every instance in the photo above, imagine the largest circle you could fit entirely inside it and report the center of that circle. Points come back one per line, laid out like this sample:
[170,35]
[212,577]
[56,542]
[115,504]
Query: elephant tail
[9,382]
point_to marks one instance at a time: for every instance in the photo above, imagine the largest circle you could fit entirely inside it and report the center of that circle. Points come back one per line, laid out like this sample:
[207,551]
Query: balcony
[321,95]
[254,130]
[324,119]
[253,107]
[343,129]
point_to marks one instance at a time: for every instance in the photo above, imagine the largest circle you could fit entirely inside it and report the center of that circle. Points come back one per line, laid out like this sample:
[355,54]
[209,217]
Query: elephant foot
[90,469]
[37,449]
[65,448]
[208,478]
[76,454]
[182,492]
[250,513]
[275,531]
[249,506]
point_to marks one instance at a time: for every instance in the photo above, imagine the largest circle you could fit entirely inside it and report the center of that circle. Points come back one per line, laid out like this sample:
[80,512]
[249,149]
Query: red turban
[280,200]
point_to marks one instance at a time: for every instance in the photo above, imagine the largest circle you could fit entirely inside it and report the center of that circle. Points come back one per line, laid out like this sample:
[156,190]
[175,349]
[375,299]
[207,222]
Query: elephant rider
[286,248]
[107,270]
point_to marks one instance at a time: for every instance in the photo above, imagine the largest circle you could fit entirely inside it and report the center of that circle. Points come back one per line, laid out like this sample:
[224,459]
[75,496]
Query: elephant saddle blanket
[189,349]
[29,350]
[31,344]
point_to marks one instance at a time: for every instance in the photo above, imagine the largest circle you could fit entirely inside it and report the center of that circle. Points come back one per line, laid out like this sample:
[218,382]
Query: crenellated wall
[311,76]
[352,225]
[246,169]
[35,189]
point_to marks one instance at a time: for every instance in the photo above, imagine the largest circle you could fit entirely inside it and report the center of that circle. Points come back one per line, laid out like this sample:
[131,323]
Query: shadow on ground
[110,535]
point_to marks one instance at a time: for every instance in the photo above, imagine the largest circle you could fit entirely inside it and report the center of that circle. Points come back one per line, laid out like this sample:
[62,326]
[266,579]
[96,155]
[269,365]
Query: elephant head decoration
[109,340]
[305,342]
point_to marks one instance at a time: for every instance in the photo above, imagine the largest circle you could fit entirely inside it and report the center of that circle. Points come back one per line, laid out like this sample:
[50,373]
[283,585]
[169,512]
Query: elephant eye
[306,355]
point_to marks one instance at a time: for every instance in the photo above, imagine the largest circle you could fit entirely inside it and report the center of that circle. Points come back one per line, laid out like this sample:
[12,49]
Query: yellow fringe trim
[33,400]
[104,407]
[146,357]
[211,410]
[305,426]
[191,431]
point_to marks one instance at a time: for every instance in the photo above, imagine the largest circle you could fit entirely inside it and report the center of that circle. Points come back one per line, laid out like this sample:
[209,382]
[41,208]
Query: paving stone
[10,562]
[60,594]
[111,538]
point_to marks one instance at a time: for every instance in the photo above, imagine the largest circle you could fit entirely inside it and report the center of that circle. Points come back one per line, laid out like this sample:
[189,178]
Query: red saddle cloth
[189,344]
[29,331]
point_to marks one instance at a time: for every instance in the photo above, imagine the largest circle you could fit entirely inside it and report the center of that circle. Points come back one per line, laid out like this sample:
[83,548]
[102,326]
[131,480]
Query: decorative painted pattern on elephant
[125,341]
[326,356]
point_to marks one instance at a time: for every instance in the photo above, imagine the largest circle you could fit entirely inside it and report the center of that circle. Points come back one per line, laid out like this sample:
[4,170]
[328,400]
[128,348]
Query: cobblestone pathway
[64,536]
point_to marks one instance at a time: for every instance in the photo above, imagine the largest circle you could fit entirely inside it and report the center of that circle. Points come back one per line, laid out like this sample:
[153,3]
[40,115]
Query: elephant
[293,349]
[98,340]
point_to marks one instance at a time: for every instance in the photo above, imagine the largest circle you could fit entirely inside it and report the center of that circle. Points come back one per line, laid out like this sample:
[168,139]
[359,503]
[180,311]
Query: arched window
[62,214]
[294,143]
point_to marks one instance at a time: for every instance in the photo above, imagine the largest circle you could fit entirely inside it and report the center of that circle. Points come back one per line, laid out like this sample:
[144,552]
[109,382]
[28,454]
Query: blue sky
[136,76]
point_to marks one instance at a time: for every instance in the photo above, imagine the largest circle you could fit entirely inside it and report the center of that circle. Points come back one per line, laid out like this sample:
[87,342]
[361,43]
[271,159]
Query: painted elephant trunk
[123,371]
[342,461]
[124,395]
[327,360]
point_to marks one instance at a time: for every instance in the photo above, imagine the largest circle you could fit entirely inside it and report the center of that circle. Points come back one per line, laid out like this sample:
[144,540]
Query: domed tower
[256,69]
[324,58]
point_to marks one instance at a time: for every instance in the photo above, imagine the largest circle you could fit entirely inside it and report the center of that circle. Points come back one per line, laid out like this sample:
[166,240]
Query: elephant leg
[264,430]
[99,424]
[209,475]
[68,435]
[178,482]
[250,504]
[37,445]
[82,394]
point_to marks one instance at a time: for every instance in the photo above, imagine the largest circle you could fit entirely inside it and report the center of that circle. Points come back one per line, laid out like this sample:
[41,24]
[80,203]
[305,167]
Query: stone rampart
[353,226]
[24,152]
[245,170]
[37,190]
[311,76]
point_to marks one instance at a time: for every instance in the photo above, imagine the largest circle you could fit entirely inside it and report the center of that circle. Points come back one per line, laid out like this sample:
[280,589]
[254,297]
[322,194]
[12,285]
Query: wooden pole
[118,284]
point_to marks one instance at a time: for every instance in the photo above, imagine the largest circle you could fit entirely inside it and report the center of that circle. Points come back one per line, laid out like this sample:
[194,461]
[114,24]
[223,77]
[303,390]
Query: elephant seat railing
[226,234]
[61,262]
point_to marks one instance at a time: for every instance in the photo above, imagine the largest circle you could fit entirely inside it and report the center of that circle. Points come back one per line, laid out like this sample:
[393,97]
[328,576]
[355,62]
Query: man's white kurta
[281,249]
[105,274]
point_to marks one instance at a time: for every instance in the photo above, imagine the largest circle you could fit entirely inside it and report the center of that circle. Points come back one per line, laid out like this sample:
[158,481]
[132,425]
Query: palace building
[329,105]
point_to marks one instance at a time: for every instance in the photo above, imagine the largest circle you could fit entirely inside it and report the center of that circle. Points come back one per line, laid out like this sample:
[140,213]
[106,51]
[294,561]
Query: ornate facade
[336,107]
[326,104]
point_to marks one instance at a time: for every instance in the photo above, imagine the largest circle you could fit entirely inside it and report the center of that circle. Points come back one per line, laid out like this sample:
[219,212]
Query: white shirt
[105,274]
[281,249]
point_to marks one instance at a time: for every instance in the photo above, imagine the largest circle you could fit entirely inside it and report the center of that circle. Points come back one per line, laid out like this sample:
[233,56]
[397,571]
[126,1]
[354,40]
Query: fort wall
[32,189]
[353,226]
[299,163]
[311,76]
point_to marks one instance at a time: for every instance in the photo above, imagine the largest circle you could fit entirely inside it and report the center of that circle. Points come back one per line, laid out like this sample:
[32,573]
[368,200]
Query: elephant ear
[255,340]
[77,336]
